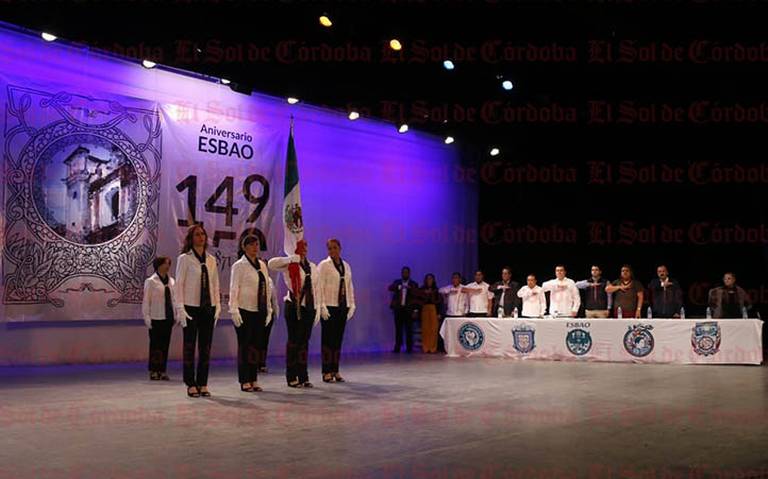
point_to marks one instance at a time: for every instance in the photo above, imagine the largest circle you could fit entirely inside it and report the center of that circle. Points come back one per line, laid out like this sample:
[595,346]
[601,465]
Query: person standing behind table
[666,295]
[198,295]
[455,303]
[299,323]
[627,294]
[597,303]
[505,294]
[533,297]
[159,308]
[338,307]
[251,308]
[404,295]
[728,301]
[564,298]
[430,300]
[479,296]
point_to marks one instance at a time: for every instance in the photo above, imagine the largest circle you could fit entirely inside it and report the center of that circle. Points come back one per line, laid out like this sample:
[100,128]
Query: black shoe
[308,385]
[153,376]
[205,394]
[164,377]
[294,384]
[327,378]
[244,389]
[193,392]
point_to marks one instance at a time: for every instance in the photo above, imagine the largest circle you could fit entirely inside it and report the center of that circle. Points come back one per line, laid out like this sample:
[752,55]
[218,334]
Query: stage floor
[397,417]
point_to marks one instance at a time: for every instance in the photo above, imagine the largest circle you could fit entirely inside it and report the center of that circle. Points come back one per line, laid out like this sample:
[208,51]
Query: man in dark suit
[505,294]
[404,296]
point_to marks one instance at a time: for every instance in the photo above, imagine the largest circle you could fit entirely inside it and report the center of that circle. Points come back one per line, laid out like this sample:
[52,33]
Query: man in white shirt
[479,297]
[455,298]
[564,299]
[534,299]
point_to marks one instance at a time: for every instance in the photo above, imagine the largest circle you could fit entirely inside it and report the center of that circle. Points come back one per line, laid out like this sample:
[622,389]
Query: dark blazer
[411,297]
[511,301]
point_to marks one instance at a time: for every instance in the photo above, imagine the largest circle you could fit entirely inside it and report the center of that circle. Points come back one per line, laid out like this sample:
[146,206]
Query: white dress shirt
[455,300]
[478,298]
[280,263]
[188,272]
[153,303]
[534,301]
[329,283]
[564,298]
[244,287]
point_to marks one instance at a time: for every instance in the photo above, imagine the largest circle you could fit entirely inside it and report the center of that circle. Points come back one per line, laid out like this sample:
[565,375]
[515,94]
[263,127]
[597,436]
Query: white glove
[317,317]
[237,320]
[324,313]
[351,312]
[148,322]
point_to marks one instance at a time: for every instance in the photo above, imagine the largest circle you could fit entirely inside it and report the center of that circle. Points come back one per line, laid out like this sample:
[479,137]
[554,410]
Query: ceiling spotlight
[148,64]
[507,85]
[325,21]
[353,115]
[448,140]
[395,44]
[449,65]
[224,81]
[402,128]
[48,37]
[495,151]
[292,101]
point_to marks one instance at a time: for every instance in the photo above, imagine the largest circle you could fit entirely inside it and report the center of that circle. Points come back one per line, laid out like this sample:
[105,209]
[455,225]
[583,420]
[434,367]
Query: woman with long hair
[250,303]
[158,307]
[338,307]
[198,296]
[430,299]
[302,312]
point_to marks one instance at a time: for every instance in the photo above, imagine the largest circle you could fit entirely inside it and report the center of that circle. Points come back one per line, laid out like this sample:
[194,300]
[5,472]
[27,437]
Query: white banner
[699,341]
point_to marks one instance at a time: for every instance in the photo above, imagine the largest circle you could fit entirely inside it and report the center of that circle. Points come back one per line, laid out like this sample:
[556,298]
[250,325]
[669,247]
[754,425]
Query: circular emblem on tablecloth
[578,341]
[471,337]
[638,340]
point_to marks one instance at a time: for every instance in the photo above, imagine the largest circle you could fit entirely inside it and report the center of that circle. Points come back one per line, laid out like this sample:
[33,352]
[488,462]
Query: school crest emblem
[638,340]
[471,337]
[524,339]
[705,338]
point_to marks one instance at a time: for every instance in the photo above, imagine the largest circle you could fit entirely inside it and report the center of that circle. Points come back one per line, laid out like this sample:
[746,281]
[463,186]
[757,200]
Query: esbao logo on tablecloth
[578,340]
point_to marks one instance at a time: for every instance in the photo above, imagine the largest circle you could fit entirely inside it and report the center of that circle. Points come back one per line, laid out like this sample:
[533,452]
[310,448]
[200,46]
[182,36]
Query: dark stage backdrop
[688,194]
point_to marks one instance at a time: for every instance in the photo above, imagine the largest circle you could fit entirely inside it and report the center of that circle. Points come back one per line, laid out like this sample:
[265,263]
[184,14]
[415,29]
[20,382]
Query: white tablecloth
[700,341]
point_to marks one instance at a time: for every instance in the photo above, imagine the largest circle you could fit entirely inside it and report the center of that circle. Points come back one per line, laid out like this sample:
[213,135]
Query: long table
[684,341]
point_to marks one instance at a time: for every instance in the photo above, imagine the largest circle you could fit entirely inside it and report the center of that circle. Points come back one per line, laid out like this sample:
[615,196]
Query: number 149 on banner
[226,189]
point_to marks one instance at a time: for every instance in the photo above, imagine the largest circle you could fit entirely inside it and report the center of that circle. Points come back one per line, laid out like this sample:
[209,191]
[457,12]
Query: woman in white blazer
[250,303]
[158,309]
[337,307]
[198,295]
[299,322]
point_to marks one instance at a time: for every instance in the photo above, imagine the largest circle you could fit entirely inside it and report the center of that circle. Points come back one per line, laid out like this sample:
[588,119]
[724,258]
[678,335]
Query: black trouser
[250,338]
[159,340]
[403,324]
[297,347]
[332,334]
[199,330]
[264,345]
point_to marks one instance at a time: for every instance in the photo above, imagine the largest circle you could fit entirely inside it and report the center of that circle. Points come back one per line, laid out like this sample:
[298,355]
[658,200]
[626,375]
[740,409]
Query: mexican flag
[293,223]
